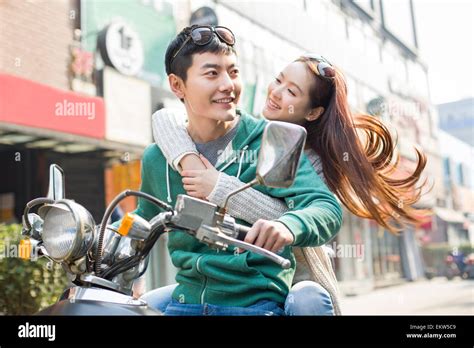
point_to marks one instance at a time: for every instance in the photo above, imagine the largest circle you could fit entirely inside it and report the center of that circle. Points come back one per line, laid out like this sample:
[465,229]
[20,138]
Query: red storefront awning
[29,103]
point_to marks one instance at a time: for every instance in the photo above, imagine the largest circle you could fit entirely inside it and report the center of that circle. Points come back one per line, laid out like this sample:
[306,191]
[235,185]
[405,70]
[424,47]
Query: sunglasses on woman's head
[203,34]
[323,67]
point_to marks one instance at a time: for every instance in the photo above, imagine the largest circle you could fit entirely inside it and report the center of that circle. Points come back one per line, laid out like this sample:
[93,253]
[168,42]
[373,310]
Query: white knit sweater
[312,263]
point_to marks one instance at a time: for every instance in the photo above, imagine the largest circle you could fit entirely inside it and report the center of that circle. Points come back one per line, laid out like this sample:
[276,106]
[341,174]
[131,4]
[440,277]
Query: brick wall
[34,39]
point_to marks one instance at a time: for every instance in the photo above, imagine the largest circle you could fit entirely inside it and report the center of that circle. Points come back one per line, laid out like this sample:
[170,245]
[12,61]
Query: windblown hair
[359,159]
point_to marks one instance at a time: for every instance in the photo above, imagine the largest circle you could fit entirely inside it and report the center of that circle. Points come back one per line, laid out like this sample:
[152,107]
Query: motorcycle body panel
[88,307]
[78,300]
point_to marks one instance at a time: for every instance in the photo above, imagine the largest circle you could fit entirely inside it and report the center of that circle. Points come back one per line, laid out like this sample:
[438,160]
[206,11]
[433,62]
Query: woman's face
[288,97]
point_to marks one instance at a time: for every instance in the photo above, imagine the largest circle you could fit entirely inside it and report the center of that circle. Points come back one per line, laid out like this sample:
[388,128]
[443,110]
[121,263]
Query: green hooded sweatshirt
[226,278]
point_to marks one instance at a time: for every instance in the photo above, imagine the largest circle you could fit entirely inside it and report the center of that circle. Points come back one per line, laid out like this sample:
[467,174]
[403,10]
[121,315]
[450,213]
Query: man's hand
[200,183]
[270,235]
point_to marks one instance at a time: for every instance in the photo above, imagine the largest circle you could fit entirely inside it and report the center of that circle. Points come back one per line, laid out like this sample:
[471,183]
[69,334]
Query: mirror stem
[240,189]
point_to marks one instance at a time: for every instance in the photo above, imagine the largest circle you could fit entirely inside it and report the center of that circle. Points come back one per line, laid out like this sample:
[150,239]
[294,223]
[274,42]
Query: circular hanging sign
[121,47]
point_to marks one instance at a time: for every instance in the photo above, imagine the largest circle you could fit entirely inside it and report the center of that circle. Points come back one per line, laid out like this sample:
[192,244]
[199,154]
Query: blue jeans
[268,308]
[304,298]
[308,298]
[161,299]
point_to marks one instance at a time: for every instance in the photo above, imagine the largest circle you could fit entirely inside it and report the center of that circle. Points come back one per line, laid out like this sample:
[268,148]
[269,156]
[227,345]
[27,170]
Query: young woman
[353,154]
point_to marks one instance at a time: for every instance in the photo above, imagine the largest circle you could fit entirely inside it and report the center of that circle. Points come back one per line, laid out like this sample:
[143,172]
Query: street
[436,297]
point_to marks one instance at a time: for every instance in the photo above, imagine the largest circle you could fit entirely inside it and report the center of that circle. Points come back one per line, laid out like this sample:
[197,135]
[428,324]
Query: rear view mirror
[278,158]
[56,183]
[280,154]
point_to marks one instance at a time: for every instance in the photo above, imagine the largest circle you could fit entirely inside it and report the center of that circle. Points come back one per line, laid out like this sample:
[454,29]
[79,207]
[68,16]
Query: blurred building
[79,81]
[457,119]
[78,86]
[94,72]
[455,218]
[38,120]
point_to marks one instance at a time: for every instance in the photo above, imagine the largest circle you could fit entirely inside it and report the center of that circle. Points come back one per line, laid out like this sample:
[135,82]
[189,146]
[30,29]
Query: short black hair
[181,63]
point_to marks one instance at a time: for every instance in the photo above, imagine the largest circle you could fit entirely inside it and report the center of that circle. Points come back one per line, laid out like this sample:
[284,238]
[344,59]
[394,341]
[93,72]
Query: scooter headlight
[68,230]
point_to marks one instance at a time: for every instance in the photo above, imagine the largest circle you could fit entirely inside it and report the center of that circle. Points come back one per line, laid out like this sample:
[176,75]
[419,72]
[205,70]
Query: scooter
[468,271]
[454,264]
[102,262]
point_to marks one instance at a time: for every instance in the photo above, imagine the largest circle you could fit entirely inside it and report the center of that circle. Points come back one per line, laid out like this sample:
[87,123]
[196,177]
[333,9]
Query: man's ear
[176,85]
[315,114]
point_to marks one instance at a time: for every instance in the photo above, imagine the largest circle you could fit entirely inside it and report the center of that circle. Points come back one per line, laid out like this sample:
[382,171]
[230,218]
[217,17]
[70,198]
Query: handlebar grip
[241,231]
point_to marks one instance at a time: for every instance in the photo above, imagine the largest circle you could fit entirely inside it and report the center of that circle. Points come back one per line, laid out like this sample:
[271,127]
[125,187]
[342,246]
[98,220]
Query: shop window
[460,174]
[447,169]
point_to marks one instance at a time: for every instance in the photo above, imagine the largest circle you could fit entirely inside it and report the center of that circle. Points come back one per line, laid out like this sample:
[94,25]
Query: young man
[202,71]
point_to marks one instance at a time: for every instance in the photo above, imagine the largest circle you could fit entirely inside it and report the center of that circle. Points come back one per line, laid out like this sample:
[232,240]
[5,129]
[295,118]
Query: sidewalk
[436,297]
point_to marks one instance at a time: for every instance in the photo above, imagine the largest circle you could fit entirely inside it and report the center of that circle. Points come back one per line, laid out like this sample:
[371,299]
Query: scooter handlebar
[242,232]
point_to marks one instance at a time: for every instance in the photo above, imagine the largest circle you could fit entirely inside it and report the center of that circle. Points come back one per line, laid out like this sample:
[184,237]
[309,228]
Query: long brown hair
[358,157]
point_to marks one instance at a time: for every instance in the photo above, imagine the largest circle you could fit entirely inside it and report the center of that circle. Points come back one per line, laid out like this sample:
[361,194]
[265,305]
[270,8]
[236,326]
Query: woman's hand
[200,183]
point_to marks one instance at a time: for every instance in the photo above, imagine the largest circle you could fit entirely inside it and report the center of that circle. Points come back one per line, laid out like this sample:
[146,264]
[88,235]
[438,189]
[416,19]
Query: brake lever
[206,233]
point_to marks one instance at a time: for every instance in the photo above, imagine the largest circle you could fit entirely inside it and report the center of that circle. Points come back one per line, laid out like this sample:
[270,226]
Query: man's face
[213,86]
